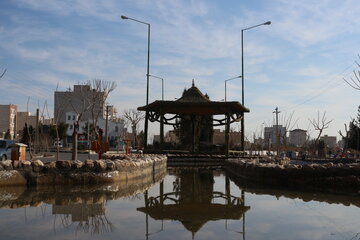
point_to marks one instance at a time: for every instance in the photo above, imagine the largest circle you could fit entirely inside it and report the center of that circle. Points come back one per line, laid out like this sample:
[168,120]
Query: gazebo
[194,104]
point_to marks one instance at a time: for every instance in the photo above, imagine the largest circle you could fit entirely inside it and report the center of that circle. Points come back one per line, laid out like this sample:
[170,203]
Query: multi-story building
[297,137]
[115,126]
[219,137]
[8,120]
[25,117]
[330,141]
[84,100]
[271,134]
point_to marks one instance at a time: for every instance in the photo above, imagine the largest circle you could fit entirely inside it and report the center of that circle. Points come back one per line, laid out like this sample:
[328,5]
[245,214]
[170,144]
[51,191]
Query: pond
[184,204]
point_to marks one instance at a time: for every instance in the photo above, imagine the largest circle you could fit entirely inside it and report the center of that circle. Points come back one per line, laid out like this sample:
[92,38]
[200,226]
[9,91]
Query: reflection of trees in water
[96,225]
[86,216]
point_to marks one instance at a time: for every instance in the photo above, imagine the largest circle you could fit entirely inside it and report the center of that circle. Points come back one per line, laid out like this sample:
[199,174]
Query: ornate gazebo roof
[194,102]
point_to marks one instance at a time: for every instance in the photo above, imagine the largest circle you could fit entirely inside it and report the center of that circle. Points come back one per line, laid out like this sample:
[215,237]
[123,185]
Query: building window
[73,117]
[116,128]
[71,127]
[69,117]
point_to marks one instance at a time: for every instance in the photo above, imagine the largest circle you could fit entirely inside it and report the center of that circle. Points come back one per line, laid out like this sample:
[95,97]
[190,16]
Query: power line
[332,83]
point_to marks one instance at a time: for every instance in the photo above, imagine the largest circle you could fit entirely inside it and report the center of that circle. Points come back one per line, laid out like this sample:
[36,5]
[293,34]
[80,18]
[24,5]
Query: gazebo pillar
[227,130]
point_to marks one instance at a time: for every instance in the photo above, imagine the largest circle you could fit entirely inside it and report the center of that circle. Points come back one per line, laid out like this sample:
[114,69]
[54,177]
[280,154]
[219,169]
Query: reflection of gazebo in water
[193,202]
[195,112]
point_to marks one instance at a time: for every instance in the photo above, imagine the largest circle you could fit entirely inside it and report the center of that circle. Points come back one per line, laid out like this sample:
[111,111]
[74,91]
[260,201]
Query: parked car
[136,150]
[58,143]
[5,149]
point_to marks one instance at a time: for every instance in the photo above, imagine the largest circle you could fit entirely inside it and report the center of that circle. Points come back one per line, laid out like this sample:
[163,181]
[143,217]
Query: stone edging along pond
[329,177]
[113,168]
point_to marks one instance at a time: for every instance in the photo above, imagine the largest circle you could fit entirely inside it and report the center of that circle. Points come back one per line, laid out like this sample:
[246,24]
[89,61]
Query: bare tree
[29,134]
[355,82]
[346,137]
[320,124]
[60,112]
[91,97]
[101,90]
[133,117]
[289,124]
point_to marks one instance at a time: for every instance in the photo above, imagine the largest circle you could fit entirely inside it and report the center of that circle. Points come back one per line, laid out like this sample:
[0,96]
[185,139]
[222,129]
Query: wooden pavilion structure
[195,104]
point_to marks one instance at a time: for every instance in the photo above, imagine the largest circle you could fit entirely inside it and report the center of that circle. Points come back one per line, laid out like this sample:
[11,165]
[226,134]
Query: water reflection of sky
[269,217]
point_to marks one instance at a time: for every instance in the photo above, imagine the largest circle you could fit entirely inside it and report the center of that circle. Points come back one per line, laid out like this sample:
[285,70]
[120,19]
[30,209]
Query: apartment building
[8,120]
[330,141]
[82,99]
[297,137]
[271,134]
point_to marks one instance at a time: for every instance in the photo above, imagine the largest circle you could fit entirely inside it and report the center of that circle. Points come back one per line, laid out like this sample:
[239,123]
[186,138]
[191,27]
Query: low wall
[196,160]
[113,169]
[336,178]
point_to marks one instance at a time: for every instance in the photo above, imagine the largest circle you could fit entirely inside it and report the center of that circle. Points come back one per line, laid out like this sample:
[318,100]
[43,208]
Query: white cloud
[190,40]
[309,22]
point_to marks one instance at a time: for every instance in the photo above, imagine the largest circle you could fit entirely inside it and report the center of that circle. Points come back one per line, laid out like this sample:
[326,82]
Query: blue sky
[297,63]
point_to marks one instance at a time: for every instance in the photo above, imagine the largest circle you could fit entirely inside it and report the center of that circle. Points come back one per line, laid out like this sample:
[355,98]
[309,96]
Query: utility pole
[106,123]
[277,130]
[36,141]
[88,139]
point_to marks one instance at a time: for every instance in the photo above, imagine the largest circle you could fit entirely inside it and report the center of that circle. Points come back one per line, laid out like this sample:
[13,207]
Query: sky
[297,63]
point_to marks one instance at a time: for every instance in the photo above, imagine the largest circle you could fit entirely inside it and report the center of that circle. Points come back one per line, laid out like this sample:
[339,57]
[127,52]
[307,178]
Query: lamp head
[124,17]
[267,23]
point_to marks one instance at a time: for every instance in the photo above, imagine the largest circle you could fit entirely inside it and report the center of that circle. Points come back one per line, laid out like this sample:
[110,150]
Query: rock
[16,163]
[100,165]
[89,164]
[118,165]
[7,164]
[307,167]
[50,165]
[37,165]
[63,164]
[12,177]
[110,165]
[1,167]
[26,165]
[77,164]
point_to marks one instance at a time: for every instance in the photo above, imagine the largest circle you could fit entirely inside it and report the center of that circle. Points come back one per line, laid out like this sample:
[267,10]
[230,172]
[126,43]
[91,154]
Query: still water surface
[185,204]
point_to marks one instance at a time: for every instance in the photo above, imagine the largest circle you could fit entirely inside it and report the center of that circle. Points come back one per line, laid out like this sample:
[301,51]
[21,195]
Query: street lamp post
[162,85]
[242,82]
[230,80]
[147,77]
